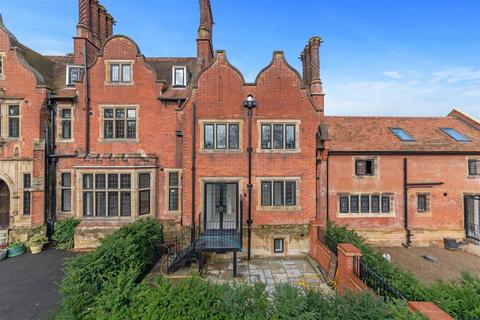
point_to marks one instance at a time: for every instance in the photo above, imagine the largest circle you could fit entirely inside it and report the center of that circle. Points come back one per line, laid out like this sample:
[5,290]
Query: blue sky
[379,57]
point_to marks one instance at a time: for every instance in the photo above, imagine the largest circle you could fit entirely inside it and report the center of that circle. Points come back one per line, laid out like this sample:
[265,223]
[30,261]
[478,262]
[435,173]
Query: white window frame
[174,77]
[67,75]
[2,66]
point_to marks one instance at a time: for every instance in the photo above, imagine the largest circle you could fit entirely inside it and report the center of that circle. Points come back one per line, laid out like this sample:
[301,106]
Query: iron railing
[373,280]
[224,235]
[331,243]
[473,231]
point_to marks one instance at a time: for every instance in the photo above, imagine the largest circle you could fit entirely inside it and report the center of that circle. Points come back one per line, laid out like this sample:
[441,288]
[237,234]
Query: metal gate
[472,217]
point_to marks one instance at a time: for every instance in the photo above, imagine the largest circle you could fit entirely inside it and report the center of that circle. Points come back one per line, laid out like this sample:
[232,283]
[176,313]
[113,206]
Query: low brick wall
[321,254]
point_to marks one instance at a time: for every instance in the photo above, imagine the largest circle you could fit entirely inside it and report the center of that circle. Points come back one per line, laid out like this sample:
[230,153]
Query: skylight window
[455,134]
[402,134]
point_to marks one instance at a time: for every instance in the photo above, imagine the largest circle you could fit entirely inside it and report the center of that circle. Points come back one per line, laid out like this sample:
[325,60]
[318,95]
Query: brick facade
[132,117]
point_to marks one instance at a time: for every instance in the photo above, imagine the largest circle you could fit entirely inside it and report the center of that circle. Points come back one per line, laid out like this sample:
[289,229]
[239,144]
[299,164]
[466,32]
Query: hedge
[132,247]
[459,298]
[195,298]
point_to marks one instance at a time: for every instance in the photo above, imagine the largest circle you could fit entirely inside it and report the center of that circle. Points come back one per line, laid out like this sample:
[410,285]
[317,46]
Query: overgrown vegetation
[195,298]
[128,252]
[459,298]
[64,232]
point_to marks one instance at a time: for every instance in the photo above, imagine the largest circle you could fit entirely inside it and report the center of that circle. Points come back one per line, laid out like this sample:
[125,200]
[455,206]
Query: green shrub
[459,298]
[64,232]
[87,274]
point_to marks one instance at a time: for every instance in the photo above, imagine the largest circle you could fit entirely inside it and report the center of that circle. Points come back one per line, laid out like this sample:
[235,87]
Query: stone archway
[4,205]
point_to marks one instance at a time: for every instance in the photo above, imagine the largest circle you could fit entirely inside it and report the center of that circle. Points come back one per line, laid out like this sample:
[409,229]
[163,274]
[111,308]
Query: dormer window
[74,74]
[179,76]
[120,73]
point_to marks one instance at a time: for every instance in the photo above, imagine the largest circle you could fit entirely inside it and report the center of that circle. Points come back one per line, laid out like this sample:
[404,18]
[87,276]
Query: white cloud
[407,93]
[393,74]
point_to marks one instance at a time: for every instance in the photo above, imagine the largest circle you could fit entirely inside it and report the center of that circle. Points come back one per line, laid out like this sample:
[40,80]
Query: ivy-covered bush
[133,247]
[64,233]
[459,298]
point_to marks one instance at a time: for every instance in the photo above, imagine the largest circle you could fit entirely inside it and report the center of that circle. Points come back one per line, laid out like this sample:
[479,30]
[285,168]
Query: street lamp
[249,103]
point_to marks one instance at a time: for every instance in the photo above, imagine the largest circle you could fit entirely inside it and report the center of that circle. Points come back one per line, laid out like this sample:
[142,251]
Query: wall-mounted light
[250,103]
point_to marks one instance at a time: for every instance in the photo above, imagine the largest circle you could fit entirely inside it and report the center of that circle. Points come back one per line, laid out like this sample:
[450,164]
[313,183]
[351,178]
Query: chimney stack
[204,38]
[95,19]
[102,23]
[110,23]
[311,71]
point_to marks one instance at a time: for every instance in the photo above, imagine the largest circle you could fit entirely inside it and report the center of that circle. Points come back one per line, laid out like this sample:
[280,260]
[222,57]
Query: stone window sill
[365,215]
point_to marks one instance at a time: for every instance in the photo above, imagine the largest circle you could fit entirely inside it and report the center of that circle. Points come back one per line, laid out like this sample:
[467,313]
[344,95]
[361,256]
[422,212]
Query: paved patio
[271,272]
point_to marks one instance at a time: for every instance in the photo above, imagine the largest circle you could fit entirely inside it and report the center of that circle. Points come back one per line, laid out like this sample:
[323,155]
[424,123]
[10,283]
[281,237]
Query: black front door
[221,205]
[472,217]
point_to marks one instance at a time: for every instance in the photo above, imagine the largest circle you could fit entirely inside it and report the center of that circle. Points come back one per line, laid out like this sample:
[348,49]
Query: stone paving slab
[270,272]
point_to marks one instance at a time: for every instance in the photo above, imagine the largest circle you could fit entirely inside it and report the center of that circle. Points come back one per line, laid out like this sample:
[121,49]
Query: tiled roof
[355,133]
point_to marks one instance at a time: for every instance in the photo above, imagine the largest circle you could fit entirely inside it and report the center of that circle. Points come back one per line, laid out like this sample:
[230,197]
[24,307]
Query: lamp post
[250,103]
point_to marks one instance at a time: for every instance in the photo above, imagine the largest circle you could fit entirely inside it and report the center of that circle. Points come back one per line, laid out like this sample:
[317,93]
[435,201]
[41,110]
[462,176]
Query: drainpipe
[87,102]
[328,187]
[192,237]
[250,103]
[405,204]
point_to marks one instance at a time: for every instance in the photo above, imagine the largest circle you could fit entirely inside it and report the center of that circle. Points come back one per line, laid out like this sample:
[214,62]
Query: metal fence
[374,281]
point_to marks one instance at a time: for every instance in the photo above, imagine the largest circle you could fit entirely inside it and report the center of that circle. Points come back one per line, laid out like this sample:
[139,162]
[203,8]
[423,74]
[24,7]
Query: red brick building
[241,166]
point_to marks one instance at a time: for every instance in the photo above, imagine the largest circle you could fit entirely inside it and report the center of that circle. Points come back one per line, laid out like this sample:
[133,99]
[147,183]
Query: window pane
[88,181]
[66,129]
[266,193]
[375,203]
[472,167]
[173,179]
[108,129]
[233,138]
[179,77]
[278,245]
[114,72]
[131,129]
[73,74]
[100,204]
[126,73]
[402,134]
[13,110]
[26,202]
[266,136]
[290,136]
[208,136]
[344,204]
[290,193]
[125,181]
[369,167]
[365,204]
[66,180]
[119,113]
[360,167]
[173,199]
[113,203]
[13,127]
[66,199]
[455,134]
[113,181]
[126,203]
[27,180]
[354,205]
[108,113]
[144,199]
[144,180]
[131,113]
[88,203]
[278,193]
[221,136]
[100,181]
[278,136]
[119,129]
[67,113]
[422,203]
[386,204]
